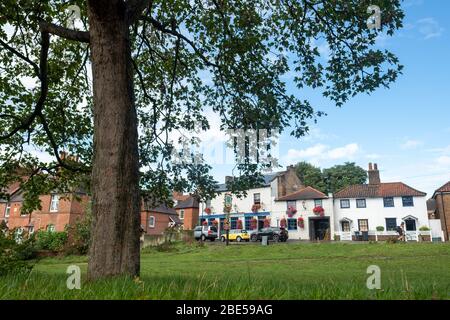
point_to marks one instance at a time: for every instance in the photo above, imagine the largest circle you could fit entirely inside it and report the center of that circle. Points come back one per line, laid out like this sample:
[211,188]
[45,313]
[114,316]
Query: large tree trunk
[114,248]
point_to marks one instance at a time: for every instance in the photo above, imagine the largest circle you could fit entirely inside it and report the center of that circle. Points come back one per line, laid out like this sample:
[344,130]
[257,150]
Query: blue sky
[406,128]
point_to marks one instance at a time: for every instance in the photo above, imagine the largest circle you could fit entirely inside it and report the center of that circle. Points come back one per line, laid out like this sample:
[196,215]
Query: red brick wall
[69,211]
[190,218]
[161,222]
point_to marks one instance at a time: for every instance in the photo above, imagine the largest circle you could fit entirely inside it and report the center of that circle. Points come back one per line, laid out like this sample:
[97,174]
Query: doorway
[318,228]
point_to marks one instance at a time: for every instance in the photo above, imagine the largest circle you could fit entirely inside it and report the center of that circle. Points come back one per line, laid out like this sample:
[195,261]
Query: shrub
[380,228]
[79,235]
[13,256]
[424,228]
[54,241]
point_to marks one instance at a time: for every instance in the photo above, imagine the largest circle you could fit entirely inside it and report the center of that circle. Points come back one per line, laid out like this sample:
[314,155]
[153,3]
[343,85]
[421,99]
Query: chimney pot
[370,166]
[376,166]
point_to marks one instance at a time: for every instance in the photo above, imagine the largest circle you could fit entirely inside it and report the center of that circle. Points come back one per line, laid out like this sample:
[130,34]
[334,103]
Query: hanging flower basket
[301,223]
[205,223]
[253,224]
[291,211]
[208,210]
[266,223]
[239,224]
[256,207]
[215,222]
[283,223]
[319,210]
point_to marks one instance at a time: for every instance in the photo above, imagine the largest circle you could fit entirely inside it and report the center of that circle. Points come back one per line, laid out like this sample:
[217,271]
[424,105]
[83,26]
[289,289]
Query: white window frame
[153,219]
[53,202]
[8,210]
[181,214]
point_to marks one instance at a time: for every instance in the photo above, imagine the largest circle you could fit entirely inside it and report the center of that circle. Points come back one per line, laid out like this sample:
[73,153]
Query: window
[54,203]
[233,223]
[292,224]
[363,225]
[345,203]
[345,226]
[388,202]
[182,214]
[248,223]
[408,201]
[31,229]
[51,228]
[318,203]
[151,221]
[361,203]
[292,204]
[391,224]
[7,210]
[257,198]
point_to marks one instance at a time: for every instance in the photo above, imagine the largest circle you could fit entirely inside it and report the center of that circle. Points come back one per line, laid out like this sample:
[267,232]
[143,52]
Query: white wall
[376,213]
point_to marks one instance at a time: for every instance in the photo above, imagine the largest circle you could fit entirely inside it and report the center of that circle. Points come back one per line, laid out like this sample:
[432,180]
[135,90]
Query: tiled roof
[267,179]
[307,193]
[190,202]
[162,208]
[394,189]
[444,188]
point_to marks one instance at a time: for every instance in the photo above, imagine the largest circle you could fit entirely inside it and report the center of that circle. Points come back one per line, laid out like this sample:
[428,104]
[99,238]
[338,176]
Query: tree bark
[114,248]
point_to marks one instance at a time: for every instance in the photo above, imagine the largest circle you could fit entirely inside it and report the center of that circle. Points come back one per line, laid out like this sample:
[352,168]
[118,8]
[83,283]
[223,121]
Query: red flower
[266,223]
[319,210]
[215,222]
[291,211]
[239,224]
[254,224]
[256,207]
[205,223]
[208,210]
[283,223]
[301,222]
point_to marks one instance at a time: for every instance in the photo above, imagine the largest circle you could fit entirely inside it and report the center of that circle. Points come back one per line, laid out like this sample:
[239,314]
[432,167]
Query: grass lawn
[282,271]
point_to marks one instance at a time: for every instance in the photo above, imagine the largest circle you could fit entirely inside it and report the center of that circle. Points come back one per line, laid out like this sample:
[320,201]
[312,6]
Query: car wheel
[276,238]
[203,237]
[238,239]
[212,239]
[223,239]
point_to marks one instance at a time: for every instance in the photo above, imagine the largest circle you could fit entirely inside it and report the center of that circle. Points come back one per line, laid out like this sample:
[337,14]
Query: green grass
[284,271]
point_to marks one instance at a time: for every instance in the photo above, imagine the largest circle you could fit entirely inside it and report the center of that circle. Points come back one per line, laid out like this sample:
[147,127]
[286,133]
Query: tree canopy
[330,180]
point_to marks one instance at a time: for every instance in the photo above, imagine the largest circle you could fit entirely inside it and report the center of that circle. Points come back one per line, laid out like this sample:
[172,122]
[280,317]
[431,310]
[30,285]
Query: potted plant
[319,210]
[301,223]
[266,223]
[291,211]
[283,223]
[380,228]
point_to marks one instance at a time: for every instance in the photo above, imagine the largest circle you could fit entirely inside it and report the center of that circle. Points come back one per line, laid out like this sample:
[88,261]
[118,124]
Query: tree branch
[135,8]
[80,36]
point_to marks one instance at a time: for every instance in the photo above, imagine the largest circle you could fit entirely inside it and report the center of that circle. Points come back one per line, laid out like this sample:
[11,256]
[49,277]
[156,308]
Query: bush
[79,235]
[54,241]
[13,256]
[424,228]
[380,228]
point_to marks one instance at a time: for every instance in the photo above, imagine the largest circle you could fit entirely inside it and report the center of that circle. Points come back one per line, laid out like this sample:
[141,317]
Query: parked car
[236,235]
[205,233]
[274,233]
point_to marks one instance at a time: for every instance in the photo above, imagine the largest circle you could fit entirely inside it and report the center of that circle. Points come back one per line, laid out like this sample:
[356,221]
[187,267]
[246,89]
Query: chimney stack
[374,174]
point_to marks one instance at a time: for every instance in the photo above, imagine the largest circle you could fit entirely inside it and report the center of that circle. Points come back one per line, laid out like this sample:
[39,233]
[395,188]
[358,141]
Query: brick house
[188,212]
[58,210]
[441,199]
[156,219]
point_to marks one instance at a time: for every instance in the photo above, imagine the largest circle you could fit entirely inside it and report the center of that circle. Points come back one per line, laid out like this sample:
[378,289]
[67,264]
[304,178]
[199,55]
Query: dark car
[275,234]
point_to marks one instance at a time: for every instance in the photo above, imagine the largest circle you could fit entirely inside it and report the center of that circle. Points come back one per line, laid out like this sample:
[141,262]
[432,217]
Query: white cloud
[443,161]
[411,144]
[430,28]
[320,152]
[374,156]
